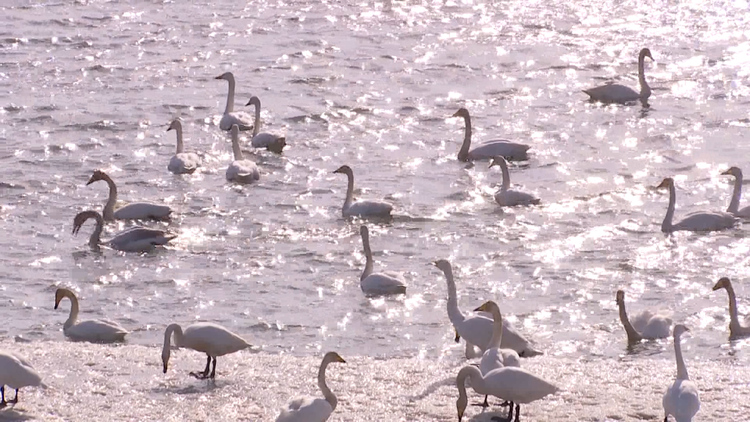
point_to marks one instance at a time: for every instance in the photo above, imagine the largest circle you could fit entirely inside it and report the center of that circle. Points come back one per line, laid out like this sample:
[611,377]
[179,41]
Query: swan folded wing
[212,339]
[369,208]
[513,198]
[142,210]
[743,213]
[243,171]
[613,93]
[706,221]
[519,385]
[265,140]
[491,359]
[96,330]
[239,118]
[139,239]
[510,150]
[652,326]
[476,329]
[383,284]
[185,162]
[306,409]
[681,400]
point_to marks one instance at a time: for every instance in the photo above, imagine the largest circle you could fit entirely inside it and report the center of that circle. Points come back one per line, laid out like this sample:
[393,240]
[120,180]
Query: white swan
[182,162]
[735,329]
[98,330]
[16,372]
[699,221]
[231,117]
[131,211]
[645,325]
[681,399]
[307,409]
[620,94]
[506,197]
[734,204]
[269,141]
[510,383]
[374,284]
[476,329]
[361,208]
[496,357]
[488,149]
[241,170]
[134,239]
[211,339]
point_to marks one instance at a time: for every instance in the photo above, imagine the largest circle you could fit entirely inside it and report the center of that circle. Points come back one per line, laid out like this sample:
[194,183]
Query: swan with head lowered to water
[211,339]
[131,211]
[16,372]
[506,197]
[231,117]
[241,170]
[735,328]
[182,162]
[93,330]
[134,239]
[269,141]
[353,208]
[307,409]
[488,149]
[734,204]
[681,399]
[620,94]
[646,325]
[698,221]
[376,284]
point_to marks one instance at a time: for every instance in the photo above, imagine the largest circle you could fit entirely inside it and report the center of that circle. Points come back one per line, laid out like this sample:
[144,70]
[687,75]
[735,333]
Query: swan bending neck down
[735,328]
[134,239]
[374,284]
[647,325]
[313,410]
[734,204]
[230,117]
[620,94]
[506,197]
[241,170]
[211,339]
[131,211]
[182,162]
[699,221]
[361,208]
[265,140]
[489,149]
[89,330]
[16,372]
[681,399]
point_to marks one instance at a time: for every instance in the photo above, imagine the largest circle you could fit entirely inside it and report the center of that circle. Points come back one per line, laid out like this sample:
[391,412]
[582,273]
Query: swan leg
[485,404]
[2,395]
[203,375]
[213,371]
[518,411]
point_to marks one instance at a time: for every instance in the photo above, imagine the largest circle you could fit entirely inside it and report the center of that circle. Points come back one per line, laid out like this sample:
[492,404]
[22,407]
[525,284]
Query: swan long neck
[73,316]
[475,375]
[180,144]
[349,189]
[109,207]
[256,126]
[734,205]
[682,372]
[506,175]
[327,393]
[230,96]
[94,240]
[633,335]
[454,313]
[463,153]
[734,320]
[645,89]
[177,330]
[666,225]
[497,328]
[236,146]
[368,256]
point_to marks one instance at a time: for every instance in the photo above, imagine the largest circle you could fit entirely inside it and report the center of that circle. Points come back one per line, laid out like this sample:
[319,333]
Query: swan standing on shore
[134,239]
[307,409]
[476,329]
[99,330]
[131,211]
[269,141]
[510,383]
[681,399]
[231,117]
[211,339]
[374,284]
[620,94]
[735,329]
[361,208]
[489,149]
[645,325]
[16,372]
[496,357]
[506,197]
[182,162]
[699,221]
[734,204]
[241,170]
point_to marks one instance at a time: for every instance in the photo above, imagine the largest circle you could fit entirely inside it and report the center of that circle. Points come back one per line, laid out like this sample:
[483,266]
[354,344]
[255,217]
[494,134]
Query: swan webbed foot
[485,404]
[205,375]
[199,375]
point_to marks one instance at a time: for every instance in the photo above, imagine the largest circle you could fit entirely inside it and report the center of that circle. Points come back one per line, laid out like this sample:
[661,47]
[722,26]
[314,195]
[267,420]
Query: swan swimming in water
[489,149]
[734,204]
[182,162]
[231,117]
[361,208]
[699,221]
[241,170]
[131,211]
[620,94]
[645,325]
[681,399]
[98,330]
[735,329]
[506,197]
[375,284]
[269,141]
[211,339]
[308,409]
[134,239]
[475,328]
[16,372]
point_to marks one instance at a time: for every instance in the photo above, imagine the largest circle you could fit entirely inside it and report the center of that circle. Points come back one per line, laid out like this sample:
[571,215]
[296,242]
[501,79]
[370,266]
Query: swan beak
[664,184]
[717,286]
[457,338]
[90,181]
[460,415]
[219,77]
[165,364]
[726,173]
[457,114]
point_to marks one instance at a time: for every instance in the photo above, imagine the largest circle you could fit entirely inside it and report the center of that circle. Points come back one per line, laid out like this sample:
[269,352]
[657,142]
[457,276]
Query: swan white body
[489,149]
[134,239]
[308,409]
[269,141]
[98,330]
[376,284]
[510,383]
[182,162]
[476,328]
[734,204]
[241,170]
[697,222]
[681,399]
[211,339]
[506,197]
[231,117]
[16,372]
[645,325]
[361,208]
[496,357]
[620,94]
[131,211]
[735,328]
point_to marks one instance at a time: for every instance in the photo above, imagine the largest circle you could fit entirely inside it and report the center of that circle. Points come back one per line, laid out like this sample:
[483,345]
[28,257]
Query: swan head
[499,161]
[81,218]
[60,294]
[344,169]
[733,171]
[488,306]
[723,283]
[462,112]
[645,53]
[620,297]
[98,175]
[461,404]
[254,101]
[443,265]
[165,359]
[666,183]
[333,357]
[679,329]
[175,125]
[227,76]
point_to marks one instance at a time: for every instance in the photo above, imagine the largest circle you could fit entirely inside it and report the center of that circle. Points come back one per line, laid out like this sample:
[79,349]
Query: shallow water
[87,85]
